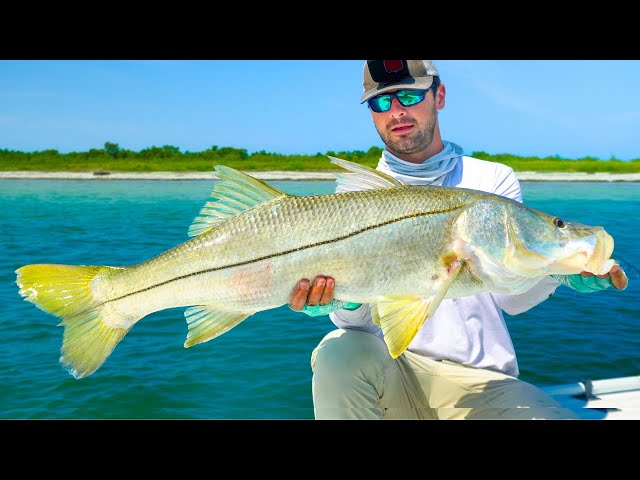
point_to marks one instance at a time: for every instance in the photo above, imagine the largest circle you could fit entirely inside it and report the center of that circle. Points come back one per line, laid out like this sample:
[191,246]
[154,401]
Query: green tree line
[170,158]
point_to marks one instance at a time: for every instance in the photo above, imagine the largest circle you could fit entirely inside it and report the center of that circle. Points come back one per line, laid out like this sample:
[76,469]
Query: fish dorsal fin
[400,318]
[234,193]
[361,177]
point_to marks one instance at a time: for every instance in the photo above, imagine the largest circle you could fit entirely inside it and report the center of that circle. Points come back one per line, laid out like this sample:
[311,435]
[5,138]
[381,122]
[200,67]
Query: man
[462,363]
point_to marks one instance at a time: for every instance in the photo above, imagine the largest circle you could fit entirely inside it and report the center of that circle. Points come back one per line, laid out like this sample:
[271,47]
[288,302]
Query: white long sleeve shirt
[469,330]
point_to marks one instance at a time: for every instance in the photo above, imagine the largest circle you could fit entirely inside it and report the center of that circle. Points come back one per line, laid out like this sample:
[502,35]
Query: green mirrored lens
[381,103]
[410,97]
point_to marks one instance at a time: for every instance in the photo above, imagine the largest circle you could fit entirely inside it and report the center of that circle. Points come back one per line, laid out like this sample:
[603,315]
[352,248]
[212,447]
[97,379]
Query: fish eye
[558,222]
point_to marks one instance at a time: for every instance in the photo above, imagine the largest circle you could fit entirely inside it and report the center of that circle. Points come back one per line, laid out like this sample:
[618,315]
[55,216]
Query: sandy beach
[284,175]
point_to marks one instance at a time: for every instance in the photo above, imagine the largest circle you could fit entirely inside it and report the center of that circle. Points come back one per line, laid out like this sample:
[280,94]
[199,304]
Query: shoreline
[293,175]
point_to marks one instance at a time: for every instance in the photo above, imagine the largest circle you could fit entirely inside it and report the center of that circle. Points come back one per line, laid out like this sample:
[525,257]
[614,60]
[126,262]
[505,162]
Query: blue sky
[570,108]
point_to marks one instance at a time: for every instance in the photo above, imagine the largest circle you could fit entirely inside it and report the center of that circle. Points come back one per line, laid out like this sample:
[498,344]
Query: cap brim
[421,83]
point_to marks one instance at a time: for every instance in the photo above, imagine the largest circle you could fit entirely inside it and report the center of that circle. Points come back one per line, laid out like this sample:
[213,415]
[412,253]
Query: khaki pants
[354,377]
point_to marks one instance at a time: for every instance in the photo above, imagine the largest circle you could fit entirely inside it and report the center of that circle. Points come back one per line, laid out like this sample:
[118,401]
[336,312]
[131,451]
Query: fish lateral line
[286,252]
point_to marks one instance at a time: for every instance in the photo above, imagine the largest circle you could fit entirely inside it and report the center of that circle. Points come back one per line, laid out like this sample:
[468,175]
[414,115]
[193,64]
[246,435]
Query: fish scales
[365,239]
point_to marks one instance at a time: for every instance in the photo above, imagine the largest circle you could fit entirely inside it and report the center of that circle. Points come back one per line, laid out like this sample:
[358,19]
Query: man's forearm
[516,304]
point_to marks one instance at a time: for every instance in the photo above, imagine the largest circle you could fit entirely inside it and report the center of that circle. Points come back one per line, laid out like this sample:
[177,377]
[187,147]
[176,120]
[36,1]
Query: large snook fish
[400,248]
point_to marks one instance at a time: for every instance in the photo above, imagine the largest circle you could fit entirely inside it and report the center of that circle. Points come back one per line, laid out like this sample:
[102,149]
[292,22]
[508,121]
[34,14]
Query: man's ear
[441,94]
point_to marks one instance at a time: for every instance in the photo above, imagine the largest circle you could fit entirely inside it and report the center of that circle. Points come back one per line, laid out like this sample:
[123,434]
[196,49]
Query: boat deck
[608,399]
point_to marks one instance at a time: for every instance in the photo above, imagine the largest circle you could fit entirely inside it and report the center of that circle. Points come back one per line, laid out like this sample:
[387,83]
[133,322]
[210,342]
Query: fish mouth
[589,254]
[601,261]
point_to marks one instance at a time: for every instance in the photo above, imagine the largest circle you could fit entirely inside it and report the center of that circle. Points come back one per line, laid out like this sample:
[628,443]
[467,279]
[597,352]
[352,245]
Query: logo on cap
[392,66]
[388,71]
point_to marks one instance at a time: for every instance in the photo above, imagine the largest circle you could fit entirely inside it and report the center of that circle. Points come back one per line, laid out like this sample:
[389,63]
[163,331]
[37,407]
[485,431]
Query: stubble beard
[419,141]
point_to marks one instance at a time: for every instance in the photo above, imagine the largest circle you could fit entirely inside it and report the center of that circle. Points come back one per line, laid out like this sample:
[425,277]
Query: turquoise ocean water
[260,369]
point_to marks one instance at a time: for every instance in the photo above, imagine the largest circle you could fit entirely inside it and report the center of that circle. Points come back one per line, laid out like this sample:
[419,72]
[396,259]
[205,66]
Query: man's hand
[316,299]
[318,293]
[586,282]
[617,276]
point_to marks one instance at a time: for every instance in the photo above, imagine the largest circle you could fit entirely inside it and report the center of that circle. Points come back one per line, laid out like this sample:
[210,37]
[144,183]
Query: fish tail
[65,291]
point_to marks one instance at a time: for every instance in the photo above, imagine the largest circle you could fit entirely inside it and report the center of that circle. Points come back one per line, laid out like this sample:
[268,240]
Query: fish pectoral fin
[400,318]
[361,177]
[206,323]
[234,193]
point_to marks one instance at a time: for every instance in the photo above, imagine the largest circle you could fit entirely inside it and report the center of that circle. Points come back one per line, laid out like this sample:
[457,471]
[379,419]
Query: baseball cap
[383,75]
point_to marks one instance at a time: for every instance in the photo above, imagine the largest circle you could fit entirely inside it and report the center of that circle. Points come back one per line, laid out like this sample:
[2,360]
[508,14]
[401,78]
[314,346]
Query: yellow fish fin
[91,331]
[400,318]
[206,323]
[235,193]
[361,177]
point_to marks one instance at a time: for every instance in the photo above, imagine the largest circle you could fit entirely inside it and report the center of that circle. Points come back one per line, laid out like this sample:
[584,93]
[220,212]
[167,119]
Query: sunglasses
[382,103]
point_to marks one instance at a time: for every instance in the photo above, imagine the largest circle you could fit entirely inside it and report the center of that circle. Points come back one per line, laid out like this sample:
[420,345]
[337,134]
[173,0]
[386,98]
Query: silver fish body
[400,248]
[374,243]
